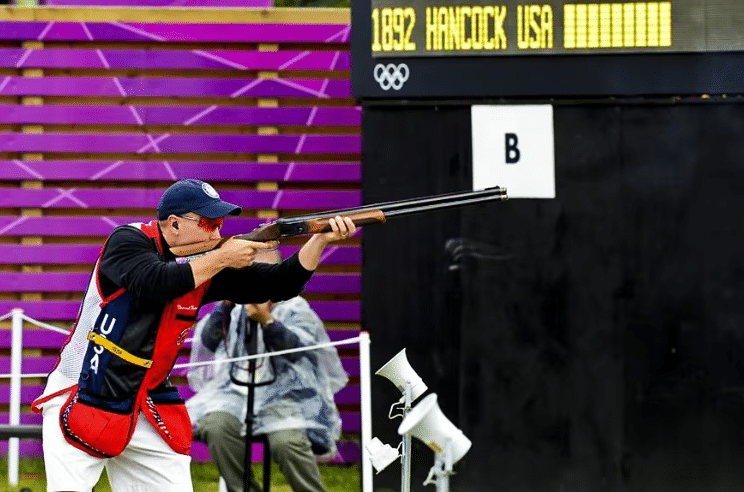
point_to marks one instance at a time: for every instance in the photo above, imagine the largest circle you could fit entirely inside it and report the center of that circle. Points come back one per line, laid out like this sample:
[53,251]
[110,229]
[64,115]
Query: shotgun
[377,213]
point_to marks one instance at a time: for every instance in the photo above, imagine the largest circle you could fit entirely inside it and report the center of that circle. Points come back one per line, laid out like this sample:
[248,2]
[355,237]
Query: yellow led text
[392,29]
[534,27]
[465,27]
[617,25]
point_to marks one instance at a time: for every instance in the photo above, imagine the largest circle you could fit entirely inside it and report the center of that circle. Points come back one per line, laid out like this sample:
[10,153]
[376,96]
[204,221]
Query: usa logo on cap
[207,188]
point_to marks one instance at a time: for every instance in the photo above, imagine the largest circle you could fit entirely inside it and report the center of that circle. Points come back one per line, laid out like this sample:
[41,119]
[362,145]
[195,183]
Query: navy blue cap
[193,195]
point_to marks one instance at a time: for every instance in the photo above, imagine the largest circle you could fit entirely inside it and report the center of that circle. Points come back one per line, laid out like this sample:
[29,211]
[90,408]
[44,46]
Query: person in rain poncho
[293,393]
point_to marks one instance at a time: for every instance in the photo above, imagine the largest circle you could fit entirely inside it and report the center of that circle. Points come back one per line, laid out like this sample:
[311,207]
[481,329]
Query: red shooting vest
[100,427]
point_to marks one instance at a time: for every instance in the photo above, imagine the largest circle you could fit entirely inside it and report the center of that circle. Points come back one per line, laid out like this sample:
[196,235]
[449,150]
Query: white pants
[147,464]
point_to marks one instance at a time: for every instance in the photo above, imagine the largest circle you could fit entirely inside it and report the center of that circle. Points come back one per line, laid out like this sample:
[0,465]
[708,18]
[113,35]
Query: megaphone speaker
[427,423]
[400,372]
[381,454]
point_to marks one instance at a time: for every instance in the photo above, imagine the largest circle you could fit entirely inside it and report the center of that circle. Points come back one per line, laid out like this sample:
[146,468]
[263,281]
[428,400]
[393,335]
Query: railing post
[366,397]
[16,356]
[405,484]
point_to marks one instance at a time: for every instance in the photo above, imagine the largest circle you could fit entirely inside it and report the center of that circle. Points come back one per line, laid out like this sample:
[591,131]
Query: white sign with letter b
[513,148]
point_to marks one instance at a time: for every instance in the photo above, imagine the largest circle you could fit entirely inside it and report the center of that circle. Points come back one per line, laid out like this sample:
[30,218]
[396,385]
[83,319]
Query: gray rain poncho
[294,390]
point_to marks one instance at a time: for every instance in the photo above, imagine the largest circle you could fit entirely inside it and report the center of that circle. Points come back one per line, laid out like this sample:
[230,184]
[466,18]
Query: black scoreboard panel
[454,49]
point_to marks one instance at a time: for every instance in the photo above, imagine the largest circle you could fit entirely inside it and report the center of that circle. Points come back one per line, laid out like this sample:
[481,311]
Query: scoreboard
[462,49]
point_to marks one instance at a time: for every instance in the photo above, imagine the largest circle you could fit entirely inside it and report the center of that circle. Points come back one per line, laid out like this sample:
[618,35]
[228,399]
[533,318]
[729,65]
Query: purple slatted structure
[181,87]
[148,198]
[123,170]
[101,109]
[115,115]
[159,143]
[269,32]
[169,60]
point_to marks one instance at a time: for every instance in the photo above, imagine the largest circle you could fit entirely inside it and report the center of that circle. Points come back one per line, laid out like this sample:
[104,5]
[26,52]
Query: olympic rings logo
[391,75]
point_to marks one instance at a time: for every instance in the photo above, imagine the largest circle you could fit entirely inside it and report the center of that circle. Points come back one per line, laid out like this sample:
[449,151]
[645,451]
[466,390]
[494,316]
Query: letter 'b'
[512,152]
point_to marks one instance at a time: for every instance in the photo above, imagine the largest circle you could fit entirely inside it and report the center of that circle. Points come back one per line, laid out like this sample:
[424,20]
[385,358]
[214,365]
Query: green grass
[337,478]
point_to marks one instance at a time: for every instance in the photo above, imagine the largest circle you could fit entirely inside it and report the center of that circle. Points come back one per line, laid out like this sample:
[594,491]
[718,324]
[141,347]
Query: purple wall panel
[286,60]
[171,171]
[349,452]
[342,283]
[35,338]
[26,447]
[351,366]
[178,115]
[148,198]
[174,59]
[173,87]
[23,30]
[309,172]
[114,31]
[295,199]
[252,33]
[54,58]
[48,254]
[342,334]
[351,421]
[67,310]
[169,143]
[337,310]
[26,418]
[82,58]
[30,365]
[28,393]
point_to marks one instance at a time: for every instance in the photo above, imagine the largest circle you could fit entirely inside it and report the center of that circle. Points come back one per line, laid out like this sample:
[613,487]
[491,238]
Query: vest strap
[118,351]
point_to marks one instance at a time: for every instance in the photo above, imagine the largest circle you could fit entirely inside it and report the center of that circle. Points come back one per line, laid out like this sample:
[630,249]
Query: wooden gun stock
[367,217]
[361,216]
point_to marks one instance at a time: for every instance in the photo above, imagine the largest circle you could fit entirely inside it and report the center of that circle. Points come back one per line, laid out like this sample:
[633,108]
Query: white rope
[44,325]
[41,325]
[234,359]
[40,375]
[270,354]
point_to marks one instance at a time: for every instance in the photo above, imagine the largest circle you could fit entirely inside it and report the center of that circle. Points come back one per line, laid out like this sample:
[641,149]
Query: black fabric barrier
[587,343]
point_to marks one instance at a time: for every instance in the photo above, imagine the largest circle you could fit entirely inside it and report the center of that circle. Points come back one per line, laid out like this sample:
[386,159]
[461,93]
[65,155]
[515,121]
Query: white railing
[16,357]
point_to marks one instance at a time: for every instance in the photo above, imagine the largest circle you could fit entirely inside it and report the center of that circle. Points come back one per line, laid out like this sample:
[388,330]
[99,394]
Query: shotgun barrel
[361,216]
[445,200]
